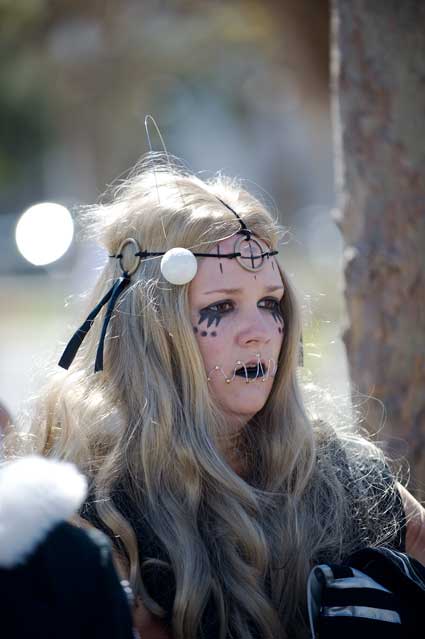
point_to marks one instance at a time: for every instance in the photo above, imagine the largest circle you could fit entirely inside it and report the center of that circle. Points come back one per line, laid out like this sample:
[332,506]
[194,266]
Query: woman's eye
[221,307]
[270,304]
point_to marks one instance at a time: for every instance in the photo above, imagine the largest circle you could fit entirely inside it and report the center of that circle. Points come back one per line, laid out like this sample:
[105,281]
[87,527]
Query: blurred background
[241,87]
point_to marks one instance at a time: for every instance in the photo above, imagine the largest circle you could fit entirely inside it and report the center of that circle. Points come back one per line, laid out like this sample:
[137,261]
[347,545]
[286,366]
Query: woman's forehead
[228,273]
[227,245]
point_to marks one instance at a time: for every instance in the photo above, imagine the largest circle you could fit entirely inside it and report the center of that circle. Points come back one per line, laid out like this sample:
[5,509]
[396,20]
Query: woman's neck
[236,458]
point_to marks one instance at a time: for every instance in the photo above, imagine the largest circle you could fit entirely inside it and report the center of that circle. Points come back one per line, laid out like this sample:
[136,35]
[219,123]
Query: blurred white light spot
[44,233]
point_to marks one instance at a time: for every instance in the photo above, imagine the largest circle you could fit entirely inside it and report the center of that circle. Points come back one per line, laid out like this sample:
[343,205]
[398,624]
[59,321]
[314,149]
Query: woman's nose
[253,330]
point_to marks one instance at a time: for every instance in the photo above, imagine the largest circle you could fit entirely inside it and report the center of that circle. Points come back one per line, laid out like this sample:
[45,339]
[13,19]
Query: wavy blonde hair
[148,424]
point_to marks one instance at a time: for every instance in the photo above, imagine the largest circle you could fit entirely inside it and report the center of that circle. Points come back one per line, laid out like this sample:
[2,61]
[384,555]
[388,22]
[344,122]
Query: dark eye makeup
[226,306]
[271,304]
[221,307]
[214,313]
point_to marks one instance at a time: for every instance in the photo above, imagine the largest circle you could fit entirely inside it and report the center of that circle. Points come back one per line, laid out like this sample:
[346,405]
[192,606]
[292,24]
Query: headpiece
[178,266]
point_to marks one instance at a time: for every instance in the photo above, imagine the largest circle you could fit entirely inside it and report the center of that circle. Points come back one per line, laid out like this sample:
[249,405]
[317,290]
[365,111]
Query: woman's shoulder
[355,458]
[352,450]
[369,482]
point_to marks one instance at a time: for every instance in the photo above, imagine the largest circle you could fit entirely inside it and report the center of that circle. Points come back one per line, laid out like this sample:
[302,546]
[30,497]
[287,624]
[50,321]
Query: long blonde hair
[148,423]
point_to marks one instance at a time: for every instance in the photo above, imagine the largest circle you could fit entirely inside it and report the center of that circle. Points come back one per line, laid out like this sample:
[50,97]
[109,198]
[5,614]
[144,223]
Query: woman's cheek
[214,345]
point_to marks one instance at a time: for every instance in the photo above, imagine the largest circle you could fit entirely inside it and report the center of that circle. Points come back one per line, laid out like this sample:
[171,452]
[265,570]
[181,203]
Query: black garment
[66,589]
[159,580]
[376,593]
[377,512]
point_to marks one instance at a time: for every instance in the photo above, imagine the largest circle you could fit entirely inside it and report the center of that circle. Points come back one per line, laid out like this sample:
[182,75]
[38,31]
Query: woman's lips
[252,370]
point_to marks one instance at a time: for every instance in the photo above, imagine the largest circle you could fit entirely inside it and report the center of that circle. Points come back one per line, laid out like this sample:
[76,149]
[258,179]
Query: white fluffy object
[35,495]
[179,266]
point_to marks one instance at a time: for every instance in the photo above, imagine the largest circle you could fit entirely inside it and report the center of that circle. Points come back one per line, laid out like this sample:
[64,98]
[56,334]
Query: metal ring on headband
[257,261]
[129,240]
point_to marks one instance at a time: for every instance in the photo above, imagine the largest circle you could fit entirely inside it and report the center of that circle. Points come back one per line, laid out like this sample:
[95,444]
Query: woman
[206,471]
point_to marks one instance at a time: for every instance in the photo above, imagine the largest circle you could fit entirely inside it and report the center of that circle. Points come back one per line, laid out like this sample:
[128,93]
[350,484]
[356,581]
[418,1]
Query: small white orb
[44,233]
[179,266]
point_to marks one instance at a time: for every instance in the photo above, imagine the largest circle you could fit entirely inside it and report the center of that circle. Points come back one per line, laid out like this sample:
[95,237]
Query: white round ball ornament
[179,266]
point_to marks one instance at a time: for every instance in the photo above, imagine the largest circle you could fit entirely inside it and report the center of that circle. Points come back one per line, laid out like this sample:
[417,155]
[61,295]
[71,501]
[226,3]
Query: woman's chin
[242,412]
[240,400]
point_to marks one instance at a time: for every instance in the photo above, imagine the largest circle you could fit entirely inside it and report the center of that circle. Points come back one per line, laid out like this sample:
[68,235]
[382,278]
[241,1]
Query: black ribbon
[76,340]
[244,230]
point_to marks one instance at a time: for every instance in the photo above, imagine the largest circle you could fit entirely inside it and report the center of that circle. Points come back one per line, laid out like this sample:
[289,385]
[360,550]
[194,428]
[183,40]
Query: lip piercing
[271,369]
[216,368]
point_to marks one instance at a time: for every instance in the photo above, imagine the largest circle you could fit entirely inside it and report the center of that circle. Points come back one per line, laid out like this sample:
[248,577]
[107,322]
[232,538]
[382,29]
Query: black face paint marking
[272,266]
[195,329]
[219,260]
[213,334]
[211,316]
[204,333]
[277,316]
[280,329]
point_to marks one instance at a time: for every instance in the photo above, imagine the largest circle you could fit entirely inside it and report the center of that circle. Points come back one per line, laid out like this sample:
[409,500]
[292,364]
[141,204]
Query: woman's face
[238,324]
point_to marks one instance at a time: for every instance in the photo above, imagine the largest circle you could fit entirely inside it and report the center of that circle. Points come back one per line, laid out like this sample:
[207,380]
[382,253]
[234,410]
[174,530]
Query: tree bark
[378,89]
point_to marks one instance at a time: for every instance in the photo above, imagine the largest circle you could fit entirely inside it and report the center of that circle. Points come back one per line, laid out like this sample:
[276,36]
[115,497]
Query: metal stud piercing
[271,368]
[240,363]
[220,369]
[270,371]
[216,368]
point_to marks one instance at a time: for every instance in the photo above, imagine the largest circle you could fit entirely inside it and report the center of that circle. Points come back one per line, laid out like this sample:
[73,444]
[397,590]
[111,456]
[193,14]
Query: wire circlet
[182,267]
[123,281]
[155,254]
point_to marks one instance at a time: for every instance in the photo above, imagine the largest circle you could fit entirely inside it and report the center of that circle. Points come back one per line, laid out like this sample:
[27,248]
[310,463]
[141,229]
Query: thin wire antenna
[148,136]
[149,119]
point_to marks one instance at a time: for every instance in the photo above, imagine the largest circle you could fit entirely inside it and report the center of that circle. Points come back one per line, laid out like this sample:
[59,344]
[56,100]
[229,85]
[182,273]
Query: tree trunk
[378,78]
